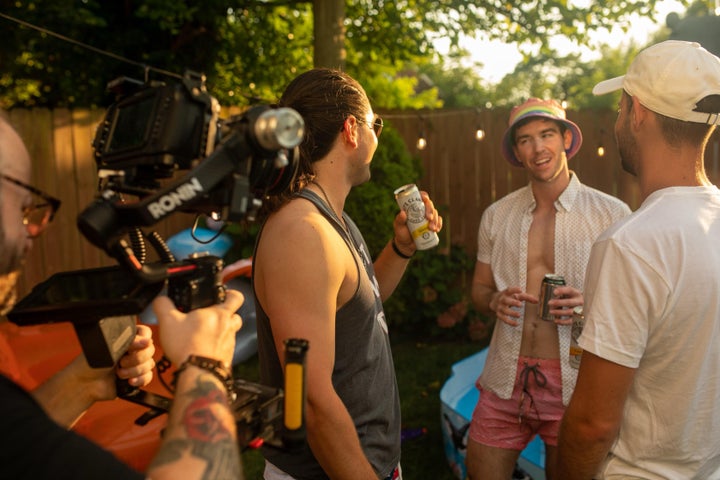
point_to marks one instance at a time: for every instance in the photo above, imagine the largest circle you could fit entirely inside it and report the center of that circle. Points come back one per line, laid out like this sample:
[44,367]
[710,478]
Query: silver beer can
[578,322]
[547,291]
[408,198]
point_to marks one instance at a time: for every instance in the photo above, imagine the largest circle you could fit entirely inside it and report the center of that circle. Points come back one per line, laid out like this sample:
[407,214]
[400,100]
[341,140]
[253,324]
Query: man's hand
[70,392]
[561,306]
[135,366]
[208,332]
[507,304]
[403,238]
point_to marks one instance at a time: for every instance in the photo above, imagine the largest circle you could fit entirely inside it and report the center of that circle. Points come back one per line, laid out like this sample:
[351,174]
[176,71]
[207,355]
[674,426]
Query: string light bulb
[421,141]
[479,131]
[601,146]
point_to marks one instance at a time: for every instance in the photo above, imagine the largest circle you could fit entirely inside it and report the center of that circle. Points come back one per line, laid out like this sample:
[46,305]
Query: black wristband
[215,367]
[398,252]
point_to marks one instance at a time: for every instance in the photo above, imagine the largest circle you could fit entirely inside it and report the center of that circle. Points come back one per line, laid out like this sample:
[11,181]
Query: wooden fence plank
[63,230]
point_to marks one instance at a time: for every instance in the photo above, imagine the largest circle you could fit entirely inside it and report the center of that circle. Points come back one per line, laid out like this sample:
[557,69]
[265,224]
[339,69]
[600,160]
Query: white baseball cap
[670,78]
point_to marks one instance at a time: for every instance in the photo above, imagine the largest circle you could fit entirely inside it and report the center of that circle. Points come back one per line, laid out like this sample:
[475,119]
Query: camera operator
[200,438]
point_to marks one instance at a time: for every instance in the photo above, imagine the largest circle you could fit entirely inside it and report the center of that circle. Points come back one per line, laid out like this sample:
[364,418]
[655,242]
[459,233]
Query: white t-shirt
[652,303]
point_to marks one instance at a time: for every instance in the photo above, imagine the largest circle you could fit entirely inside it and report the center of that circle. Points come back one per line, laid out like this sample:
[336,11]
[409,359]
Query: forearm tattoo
[206,428]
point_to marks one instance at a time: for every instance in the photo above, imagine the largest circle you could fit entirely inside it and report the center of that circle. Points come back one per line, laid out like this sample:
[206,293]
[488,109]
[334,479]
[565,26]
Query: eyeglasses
[377,124]
[37,216]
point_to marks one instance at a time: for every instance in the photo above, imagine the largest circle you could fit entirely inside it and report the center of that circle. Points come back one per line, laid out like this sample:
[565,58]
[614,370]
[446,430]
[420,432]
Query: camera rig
[150,133]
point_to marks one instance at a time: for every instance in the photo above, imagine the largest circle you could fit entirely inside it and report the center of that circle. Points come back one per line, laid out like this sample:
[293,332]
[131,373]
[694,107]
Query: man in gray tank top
[314,279]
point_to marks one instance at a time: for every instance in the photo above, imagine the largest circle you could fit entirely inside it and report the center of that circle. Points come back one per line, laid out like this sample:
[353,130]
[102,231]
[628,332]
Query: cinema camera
[152,132]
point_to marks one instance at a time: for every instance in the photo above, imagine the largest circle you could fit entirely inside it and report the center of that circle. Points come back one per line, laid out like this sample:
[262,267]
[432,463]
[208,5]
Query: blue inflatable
[458,398]
[183,245]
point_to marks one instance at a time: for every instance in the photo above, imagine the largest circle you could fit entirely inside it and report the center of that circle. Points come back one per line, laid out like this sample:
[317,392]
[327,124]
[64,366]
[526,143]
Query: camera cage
[153,128]
[152,131]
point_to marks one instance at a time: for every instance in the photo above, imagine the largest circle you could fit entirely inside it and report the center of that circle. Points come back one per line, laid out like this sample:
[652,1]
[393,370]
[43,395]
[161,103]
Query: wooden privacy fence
[462,175]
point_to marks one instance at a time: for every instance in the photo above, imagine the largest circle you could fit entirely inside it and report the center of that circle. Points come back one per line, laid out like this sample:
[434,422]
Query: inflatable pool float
[236,276]
[458,398]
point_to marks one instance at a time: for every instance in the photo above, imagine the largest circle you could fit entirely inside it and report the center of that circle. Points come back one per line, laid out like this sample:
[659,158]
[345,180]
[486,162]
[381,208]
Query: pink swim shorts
[534,408]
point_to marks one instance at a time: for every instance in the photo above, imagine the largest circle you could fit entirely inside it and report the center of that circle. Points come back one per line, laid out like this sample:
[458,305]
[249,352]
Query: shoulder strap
[328,213]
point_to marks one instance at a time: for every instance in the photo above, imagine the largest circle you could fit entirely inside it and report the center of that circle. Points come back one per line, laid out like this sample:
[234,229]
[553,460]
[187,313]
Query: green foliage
[459,85]
[698,25]
[265,49]
[564,78]
[159,33]
[434,282]
[613,63]
[372,24]
[398,92]
[250,50]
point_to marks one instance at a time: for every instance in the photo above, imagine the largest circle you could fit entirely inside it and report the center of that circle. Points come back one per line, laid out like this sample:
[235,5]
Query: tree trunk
[329,28]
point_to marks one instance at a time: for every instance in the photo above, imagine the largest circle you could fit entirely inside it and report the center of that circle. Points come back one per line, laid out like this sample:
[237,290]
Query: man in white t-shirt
[647,399]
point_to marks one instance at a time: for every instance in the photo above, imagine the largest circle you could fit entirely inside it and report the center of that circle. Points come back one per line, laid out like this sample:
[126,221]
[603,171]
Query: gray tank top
[363,375]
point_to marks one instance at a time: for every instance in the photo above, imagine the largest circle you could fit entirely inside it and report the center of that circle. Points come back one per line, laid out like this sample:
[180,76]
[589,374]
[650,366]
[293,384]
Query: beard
[11,264]
[8,291]
[628,148]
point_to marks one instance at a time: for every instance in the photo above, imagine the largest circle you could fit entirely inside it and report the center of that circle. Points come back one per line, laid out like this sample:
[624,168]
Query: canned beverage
[547,291]
[409,199]
[577,326]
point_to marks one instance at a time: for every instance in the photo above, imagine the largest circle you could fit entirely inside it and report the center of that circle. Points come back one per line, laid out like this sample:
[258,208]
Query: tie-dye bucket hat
[535,107]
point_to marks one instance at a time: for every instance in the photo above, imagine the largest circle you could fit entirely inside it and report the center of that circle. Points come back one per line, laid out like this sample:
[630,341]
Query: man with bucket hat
[546,227]
[647,402]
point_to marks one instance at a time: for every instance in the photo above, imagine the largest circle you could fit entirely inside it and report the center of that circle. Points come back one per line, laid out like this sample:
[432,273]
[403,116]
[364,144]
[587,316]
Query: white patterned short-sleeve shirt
[582,214]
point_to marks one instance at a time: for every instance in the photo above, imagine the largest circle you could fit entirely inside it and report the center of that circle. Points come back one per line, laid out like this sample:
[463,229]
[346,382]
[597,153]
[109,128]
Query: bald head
[14,157]
[14,241]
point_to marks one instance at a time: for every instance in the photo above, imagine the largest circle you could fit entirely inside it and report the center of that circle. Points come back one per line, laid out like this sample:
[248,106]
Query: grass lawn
[422,368]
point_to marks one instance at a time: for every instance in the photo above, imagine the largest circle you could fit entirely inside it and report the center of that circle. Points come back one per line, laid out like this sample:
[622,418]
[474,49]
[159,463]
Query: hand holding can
[547,292]
[409,199]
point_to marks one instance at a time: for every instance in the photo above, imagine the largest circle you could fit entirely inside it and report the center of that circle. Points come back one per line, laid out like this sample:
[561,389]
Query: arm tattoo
[206,428]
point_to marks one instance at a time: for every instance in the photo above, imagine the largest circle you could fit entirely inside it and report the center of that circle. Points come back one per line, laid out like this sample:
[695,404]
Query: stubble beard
[627,147]
[10,269]
[8,291]
[554,175]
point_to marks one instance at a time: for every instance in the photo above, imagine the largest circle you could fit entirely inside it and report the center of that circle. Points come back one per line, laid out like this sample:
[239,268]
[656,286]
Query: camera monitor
[84,297]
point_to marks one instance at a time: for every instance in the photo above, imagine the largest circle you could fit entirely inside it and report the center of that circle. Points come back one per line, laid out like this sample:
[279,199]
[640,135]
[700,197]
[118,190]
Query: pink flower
[447,320]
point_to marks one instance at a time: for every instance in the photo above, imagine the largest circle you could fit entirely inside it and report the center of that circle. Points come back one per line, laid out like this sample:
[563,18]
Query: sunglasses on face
[376,124]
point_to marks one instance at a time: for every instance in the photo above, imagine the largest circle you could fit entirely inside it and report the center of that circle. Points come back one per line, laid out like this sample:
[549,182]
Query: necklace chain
[327,200]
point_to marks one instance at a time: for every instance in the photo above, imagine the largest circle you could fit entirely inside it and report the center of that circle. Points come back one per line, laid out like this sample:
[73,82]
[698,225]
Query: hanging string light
[601,146]
[479,130]
[421,141]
